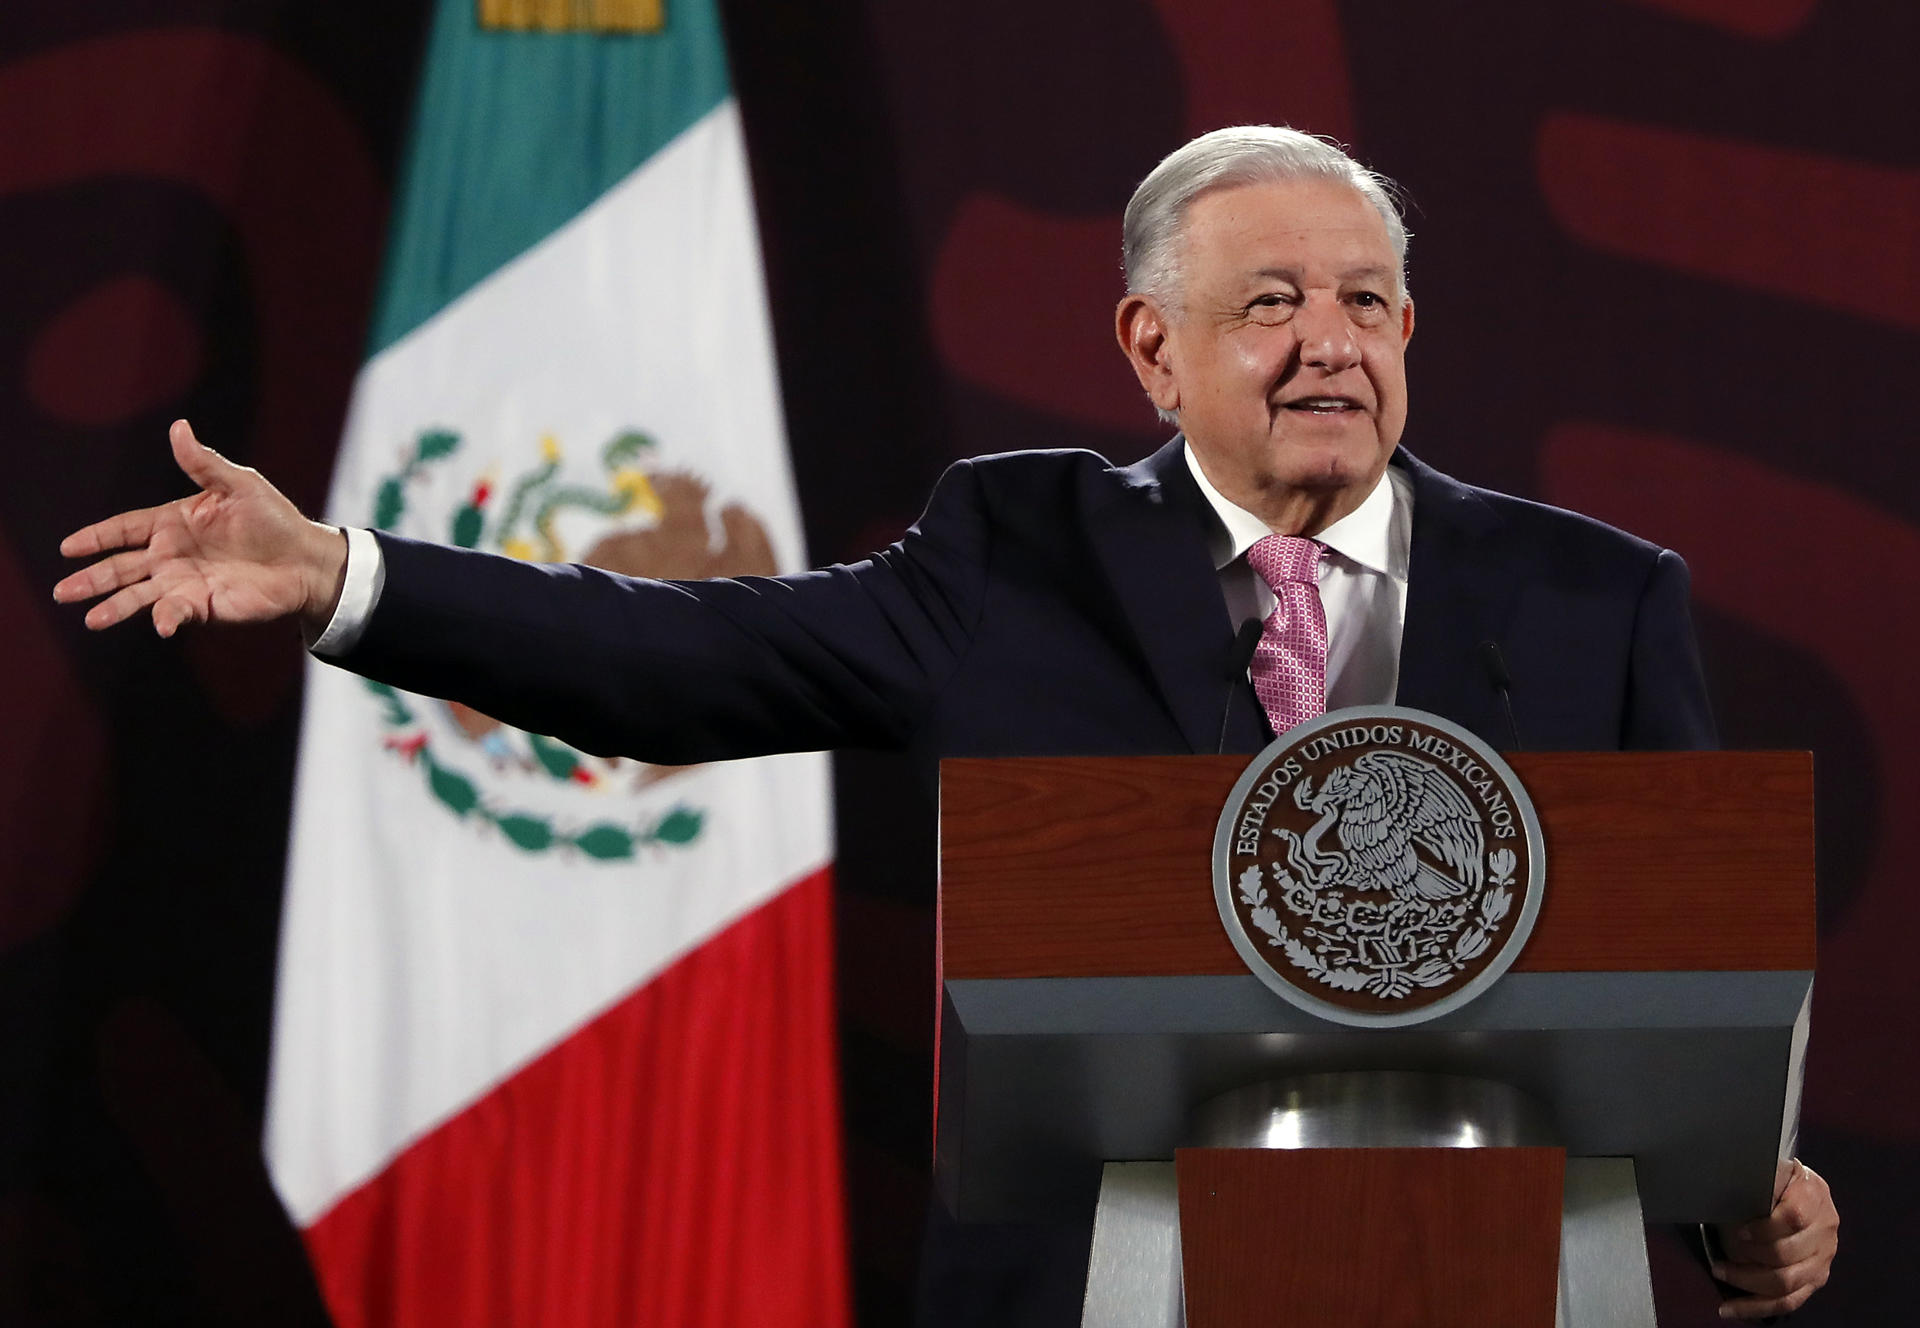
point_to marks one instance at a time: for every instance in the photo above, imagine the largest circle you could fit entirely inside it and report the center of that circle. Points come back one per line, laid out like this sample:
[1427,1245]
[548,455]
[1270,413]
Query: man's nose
[1326,335]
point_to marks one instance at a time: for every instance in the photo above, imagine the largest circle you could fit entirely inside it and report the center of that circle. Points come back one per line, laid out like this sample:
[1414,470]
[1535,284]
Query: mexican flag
[553,1042]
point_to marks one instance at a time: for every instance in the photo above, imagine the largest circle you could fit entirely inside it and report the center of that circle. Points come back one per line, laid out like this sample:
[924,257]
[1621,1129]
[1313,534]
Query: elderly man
[1051,602]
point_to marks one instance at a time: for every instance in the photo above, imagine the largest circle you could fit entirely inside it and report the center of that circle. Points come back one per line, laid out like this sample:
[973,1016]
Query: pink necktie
[1290,663]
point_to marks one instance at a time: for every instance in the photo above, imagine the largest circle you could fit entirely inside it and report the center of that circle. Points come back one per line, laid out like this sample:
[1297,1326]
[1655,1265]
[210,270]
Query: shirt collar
[1368,535]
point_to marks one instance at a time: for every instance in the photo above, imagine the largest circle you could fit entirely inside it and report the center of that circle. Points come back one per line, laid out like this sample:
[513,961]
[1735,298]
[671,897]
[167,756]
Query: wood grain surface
[1390,1237]
[1102,866]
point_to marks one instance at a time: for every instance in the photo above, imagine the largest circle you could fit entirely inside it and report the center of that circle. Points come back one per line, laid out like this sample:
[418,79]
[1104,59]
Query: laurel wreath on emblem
[525,529]
[1375,916]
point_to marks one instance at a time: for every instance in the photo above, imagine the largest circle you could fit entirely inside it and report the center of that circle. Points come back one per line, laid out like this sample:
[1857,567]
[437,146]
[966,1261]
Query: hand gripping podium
[1101,1042]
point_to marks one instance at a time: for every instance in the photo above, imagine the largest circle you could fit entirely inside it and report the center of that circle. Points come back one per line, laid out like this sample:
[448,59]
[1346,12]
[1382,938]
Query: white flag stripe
[424,957]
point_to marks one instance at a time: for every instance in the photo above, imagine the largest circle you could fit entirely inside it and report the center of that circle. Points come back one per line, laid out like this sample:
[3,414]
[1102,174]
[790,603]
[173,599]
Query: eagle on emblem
[1386,806]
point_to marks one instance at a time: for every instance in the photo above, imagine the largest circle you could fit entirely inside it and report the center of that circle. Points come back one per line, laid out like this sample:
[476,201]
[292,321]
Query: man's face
[1286,355]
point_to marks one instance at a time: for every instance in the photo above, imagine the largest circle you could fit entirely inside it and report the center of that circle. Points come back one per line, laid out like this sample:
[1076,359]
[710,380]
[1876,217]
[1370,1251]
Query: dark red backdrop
[1666,273]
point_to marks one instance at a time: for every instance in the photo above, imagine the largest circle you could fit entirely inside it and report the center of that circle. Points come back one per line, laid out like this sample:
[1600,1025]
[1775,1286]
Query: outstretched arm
[238,551]
[672,672]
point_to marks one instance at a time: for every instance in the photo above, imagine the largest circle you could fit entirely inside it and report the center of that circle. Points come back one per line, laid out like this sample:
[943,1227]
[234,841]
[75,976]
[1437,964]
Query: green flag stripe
[516,132]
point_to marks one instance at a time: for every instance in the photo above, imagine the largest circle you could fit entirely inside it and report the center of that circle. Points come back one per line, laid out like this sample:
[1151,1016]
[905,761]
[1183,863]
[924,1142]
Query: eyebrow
[1369,272]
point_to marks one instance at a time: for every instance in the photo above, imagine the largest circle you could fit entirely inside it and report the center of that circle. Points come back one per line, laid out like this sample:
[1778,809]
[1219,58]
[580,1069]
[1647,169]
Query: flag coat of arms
[553,1033]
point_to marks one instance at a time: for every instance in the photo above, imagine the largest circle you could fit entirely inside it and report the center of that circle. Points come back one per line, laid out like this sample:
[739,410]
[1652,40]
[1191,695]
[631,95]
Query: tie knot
[1280,559]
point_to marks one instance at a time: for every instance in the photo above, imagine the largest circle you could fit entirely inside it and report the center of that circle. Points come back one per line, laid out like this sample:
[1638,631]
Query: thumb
[204,466]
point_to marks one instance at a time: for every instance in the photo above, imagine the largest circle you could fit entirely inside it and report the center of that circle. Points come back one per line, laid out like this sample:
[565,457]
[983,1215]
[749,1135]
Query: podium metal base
[1133,1276]
[1604,1281]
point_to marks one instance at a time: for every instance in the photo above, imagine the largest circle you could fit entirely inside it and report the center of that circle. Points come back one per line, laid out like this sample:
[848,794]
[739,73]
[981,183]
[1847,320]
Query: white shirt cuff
[360,592]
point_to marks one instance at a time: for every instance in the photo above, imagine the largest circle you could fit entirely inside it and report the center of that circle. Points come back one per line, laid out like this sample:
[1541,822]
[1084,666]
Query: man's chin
[1316,468]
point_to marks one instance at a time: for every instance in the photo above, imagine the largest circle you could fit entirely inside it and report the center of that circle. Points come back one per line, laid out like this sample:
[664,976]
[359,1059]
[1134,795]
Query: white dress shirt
[359,592]
[1363,583]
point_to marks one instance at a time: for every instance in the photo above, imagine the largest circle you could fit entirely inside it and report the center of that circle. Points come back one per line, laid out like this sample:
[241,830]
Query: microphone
[1496,666]
[1245,642]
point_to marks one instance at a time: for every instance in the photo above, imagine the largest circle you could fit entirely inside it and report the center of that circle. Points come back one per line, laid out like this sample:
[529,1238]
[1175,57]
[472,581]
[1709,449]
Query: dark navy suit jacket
[1045,603]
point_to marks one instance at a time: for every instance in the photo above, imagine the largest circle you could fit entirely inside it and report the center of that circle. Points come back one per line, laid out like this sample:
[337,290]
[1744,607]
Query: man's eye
[1367,299]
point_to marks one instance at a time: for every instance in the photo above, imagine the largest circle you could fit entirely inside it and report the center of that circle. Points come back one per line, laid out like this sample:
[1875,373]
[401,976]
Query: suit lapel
[1151,542]
[1150,539]
[1461,584]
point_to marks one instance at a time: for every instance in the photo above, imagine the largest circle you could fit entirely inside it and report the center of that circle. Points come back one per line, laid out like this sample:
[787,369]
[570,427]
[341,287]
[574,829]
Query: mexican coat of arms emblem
[1378,866]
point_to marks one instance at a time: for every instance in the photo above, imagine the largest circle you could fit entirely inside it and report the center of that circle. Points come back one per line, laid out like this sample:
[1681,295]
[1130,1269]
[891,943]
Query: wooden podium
[1092,1003]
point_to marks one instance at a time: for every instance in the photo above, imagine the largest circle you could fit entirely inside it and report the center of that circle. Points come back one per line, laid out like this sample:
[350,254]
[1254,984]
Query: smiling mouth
[1324,405]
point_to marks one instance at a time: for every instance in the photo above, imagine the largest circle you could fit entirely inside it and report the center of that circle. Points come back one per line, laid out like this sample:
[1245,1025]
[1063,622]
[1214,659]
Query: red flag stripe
[675,1161]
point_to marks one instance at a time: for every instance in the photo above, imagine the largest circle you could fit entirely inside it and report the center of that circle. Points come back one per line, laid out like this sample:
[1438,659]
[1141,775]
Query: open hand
[1785,1256]
[236,552]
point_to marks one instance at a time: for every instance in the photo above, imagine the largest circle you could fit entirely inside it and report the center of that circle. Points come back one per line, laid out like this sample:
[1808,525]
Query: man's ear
[1141,326]
[1406,319]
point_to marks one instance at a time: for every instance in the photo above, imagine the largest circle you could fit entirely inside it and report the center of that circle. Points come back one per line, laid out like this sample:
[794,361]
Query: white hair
[1151,235]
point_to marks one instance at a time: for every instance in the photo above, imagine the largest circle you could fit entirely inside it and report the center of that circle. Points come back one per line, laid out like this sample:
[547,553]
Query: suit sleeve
[675,672]
[1666,705]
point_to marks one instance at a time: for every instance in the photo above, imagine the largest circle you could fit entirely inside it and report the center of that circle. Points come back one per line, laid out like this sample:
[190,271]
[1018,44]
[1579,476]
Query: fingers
[204,466]
[1776,1290]
[122,605]
[116,532]
[1786,1256]
[109,574]
[174,605]
[173,612]
[137,577]
[1778,1252]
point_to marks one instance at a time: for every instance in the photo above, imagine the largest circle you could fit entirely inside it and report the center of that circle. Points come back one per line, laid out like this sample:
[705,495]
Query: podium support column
[1134,1278]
